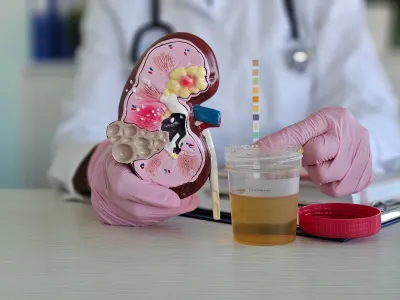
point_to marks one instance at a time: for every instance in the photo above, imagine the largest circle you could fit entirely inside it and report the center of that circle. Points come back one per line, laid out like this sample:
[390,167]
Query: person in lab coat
[340,108]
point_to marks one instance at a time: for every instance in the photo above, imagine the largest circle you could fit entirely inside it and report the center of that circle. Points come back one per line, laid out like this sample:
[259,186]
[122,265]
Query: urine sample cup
[263,192]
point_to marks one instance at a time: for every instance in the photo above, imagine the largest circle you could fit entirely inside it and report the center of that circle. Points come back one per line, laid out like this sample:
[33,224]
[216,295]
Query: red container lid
[340,220]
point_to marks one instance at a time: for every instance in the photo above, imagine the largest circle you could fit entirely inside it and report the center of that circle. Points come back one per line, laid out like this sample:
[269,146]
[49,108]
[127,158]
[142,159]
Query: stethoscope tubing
[154,24]
[291,55]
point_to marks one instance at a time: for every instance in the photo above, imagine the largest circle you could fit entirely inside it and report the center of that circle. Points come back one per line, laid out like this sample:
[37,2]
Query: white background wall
[13,56]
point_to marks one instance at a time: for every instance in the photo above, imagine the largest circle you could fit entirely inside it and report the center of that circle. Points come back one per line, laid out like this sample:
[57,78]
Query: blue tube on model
[207,115]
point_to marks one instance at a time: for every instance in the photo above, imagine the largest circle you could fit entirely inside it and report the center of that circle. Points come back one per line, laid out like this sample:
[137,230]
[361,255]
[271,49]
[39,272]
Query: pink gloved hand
[121,198]
[336,150]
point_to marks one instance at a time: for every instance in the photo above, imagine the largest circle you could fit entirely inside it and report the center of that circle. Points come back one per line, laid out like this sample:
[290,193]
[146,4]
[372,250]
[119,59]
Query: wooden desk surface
[52,249]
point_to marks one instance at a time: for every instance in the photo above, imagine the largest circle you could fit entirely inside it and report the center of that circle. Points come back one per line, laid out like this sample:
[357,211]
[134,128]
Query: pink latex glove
[336,150]
[120,198]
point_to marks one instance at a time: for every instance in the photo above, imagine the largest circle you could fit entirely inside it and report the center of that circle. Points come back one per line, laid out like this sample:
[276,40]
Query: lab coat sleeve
[348,73]
[97,88]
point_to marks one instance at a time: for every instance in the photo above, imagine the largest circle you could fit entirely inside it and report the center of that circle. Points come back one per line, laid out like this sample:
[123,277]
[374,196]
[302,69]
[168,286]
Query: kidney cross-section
[170,78]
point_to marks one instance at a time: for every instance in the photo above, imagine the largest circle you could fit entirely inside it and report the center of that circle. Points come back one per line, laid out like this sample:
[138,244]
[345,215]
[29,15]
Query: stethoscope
[297,54]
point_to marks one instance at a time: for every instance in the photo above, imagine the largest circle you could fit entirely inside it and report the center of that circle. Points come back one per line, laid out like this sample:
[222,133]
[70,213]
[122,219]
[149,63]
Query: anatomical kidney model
[162,130]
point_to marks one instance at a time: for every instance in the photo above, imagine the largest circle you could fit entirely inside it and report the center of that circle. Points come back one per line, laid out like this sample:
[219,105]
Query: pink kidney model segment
[155,134]
[175,69]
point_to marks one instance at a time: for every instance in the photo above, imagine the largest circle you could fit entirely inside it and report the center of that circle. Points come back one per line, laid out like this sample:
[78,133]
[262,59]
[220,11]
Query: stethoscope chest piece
[297,55]
[298,58]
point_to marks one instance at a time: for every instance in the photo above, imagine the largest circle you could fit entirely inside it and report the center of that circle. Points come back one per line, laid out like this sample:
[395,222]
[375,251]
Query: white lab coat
[344,70]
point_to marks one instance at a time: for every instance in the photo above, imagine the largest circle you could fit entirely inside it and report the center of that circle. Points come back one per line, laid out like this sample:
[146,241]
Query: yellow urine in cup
[263,221]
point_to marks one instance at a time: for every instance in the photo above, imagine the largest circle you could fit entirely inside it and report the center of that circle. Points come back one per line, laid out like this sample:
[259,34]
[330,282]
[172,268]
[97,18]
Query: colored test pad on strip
[256,104]
[255,100]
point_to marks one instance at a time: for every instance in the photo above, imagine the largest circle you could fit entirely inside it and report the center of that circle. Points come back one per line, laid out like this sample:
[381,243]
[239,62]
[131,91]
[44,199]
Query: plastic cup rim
[254,154]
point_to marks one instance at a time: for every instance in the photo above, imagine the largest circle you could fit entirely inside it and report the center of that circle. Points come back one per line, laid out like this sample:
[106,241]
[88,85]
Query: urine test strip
[255,100]
[256,106]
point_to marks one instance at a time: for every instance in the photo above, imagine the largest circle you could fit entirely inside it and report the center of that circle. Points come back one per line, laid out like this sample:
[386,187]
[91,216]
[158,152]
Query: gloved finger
[132,188]
[299,133]
[304,174]
[320,149]
[127,185]
[188,204]
[354,181]
[331,189]
[329,171]
[337,189]
[134,214]
[322,173]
